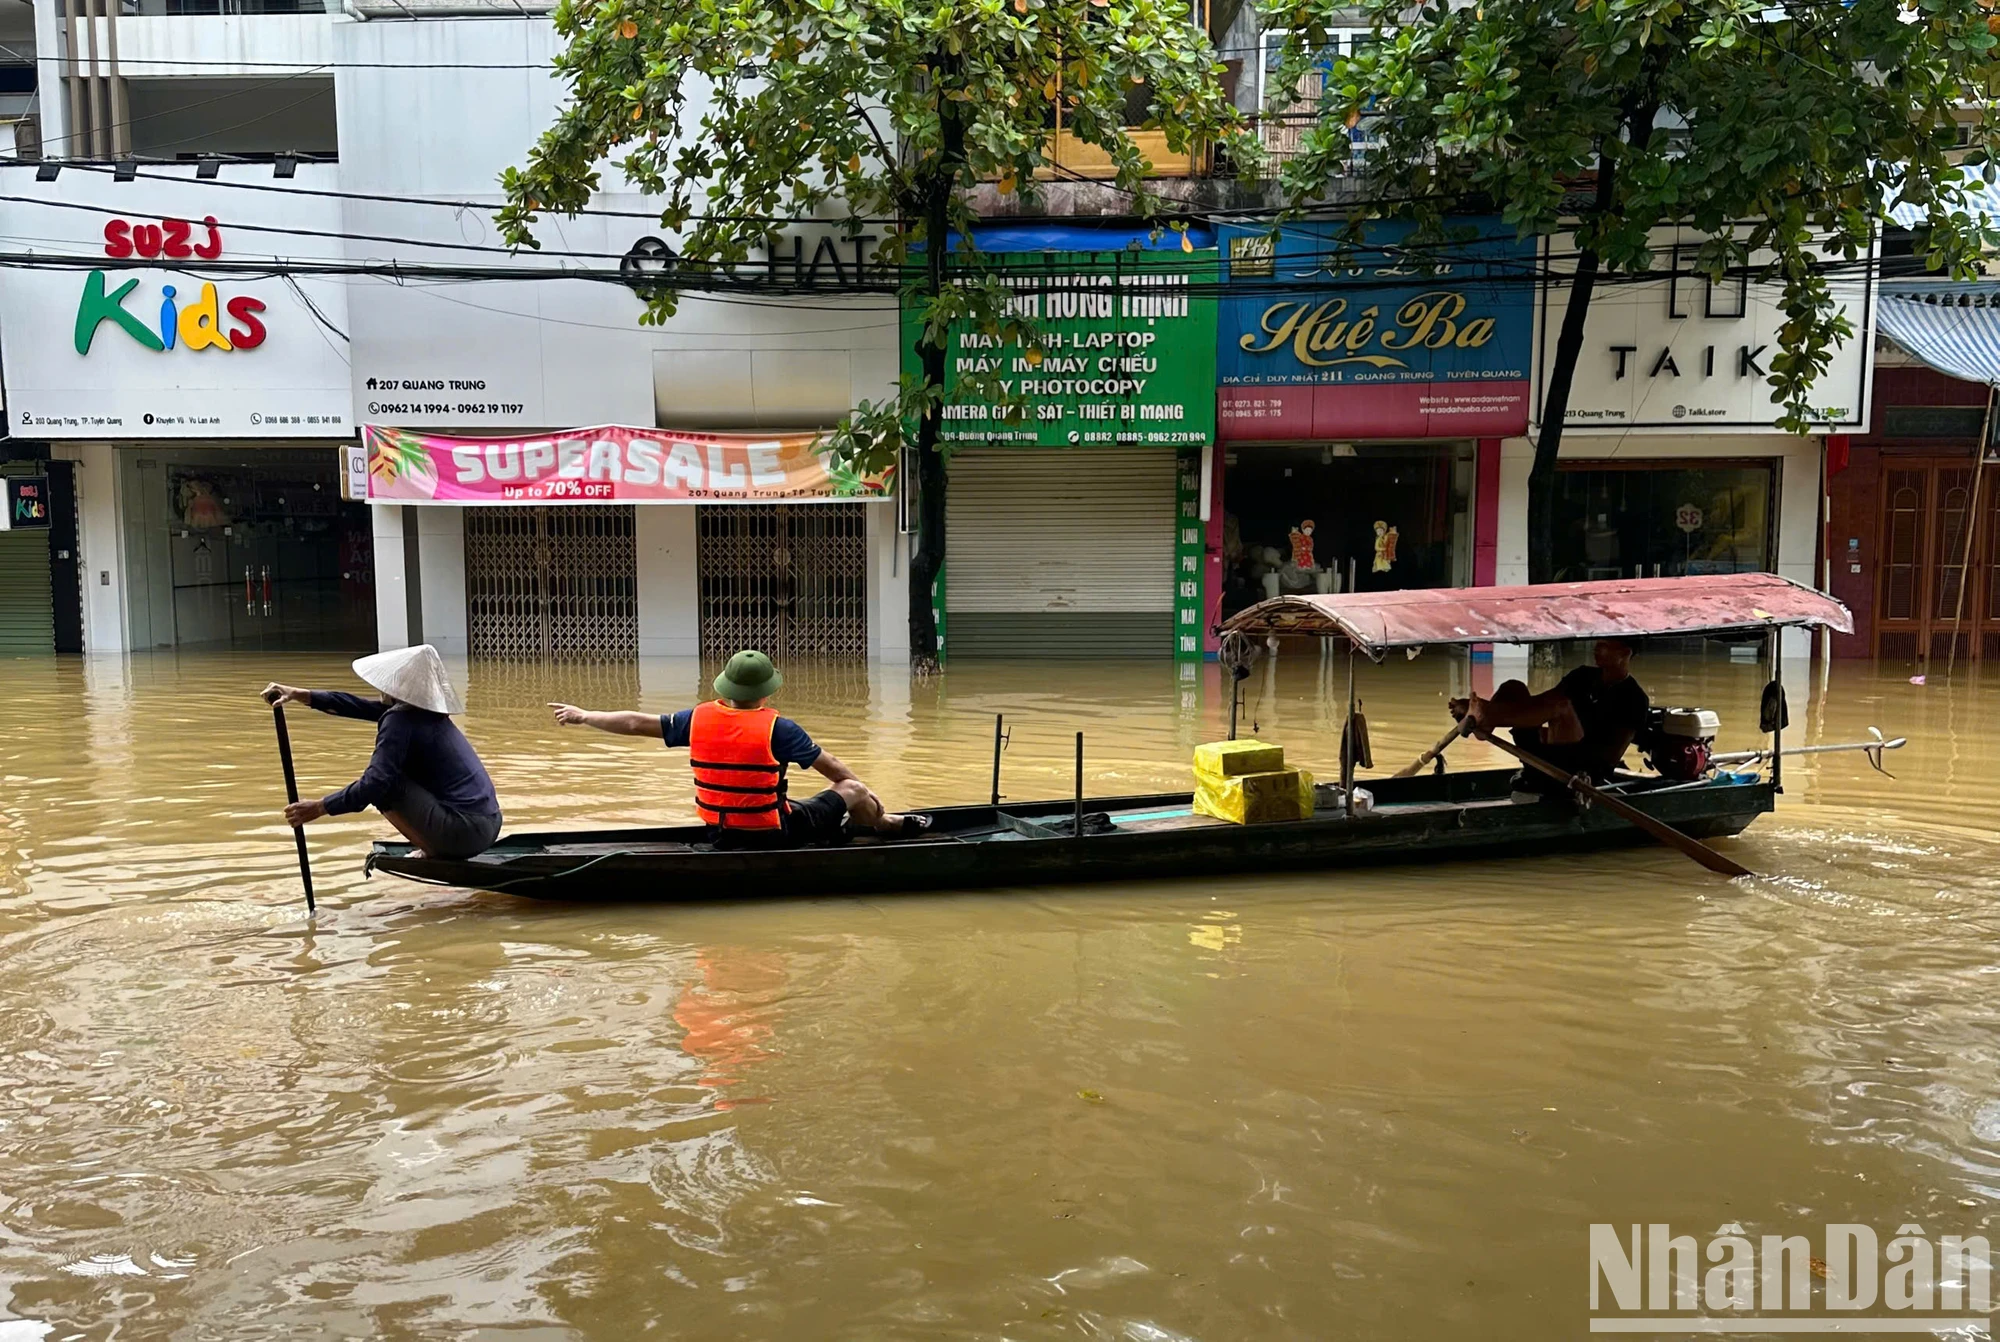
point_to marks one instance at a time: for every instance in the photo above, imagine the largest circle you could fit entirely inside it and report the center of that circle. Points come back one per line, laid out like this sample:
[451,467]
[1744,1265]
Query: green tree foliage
[1781,132]
[743,114]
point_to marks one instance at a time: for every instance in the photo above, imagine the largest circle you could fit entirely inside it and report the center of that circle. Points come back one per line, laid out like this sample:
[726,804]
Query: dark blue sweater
[426,748]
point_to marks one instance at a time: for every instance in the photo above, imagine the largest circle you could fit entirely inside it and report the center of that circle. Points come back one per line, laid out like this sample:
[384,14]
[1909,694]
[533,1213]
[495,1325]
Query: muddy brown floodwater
[1365,1104]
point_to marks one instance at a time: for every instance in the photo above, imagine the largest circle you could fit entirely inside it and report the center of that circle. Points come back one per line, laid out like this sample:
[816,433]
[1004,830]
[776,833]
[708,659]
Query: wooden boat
[1431,817]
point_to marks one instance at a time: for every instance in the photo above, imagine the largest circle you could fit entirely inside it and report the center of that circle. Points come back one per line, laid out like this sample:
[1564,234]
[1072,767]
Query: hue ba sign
[1321,339]
[1684,354]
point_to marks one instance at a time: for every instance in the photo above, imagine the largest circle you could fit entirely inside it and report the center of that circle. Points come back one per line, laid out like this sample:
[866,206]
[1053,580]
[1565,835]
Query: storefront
[231,546]
[1356,385]
[27,593]
[1672,460]
[687,555]
[1913,530]
[198,412]
[1652,519]
[1073,517]
[559,533]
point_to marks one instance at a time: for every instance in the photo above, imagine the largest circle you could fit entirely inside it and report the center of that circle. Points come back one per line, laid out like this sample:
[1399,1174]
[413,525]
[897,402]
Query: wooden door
[1929,597]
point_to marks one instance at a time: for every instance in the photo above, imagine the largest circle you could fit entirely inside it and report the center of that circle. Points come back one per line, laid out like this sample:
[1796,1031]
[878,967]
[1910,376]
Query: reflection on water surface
[1373,1103]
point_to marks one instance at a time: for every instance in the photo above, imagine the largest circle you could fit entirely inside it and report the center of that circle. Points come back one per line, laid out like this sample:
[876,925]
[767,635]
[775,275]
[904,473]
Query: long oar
[1660,830]
[292,795]
[1464,726]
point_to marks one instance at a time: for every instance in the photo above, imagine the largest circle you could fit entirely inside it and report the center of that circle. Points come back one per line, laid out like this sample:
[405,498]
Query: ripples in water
[1357,1103]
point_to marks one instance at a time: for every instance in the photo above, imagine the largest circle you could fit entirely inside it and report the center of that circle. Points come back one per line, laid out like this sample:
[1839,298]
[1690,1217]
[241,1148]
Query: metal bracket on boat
[368,865]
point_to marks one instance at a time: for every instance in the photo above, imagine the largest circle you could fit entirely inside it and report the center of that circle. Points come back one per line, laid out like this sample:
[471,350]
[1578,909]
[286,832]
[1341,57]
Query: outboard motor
[1677,742]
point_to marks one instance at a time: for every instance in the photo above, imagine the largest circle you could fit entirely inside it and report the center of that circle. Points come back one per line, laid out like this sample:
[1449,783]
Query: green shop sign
[1126,352]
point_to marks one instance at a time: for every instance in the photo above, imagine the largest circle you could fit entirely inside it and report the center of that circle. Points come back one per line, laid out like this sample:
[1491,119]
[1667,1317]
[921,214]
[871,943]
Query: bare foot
[419,854]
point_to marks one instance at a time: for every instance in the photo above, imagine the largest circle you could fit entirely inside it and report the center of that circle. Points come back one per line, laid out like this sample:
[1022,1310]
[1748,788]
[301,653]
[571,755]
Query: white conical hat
[414,675]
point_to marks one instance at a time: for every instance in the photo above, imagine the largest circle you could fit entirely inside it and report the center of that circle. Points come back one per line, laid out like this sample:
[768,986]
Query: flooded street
[1371,1104]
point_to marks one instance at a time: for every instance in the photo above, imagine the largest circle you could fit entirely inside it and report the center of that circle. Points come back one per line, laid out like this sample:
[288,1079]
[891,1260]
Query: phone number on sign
[440,408]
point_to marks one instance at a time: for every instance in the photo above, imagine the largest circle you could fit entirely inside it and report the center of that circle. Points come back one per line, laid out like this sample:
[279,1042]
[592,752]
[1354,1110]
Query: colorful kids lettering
[193,325]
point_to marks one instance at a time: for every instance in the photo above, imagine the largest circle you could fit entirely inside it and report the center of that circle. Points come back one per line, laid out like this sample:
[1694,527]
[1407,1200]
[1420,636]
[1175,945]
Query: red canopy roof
[1378,622]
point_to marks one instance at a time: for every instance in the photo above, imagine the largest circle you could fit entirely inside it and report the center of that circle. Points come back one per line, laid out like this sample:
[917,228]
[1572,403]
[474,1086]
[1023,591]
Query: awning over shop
[1379,622]
[1953,327]
[1978,197]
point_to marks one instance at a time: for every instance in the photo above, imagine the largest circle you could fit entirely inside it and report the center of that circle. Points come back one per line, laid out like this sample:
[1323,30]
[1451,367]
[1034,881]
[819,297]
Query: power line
[301,67]
[112,166]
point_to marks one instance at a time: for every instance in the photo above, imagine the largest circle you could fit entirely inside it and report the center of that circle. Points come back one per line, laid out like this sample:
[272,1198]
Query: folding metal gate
[551,583]
[789,579]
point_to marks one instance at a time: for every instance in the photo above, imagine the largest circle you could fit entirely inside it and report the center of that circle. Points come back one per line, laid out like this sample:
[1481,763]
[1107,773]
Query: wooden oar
[292,795]
[1625,811]
[1464,726]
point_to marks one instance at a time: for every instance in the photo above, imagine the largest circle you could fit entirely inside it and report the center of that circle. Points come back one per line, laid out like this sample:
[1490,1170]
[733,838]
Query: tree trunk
[928,559]
[1562,374]
[1640,111]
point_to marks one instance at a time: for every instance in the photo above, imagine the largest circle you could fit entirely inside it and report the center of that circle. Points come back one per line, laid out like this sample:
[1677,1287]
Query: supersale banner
[609,464]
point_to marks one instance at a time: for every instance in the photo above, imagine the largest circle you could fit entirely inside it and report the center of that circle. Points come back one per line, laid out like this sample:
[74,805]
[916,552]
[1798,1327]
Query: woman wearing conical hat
[425,778]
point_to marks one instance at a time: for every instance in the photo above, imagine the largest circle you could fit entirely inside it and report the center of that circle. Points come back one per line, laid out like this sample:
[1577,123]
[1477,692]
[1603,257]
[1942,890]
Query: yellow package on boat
[1225,758]
[1254,798]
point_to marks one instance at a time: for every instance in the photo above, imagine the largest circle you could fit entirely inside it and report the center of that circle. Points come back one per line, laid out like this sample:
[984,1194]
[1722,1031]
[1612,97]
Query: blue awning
[1953,327]
[1978,197]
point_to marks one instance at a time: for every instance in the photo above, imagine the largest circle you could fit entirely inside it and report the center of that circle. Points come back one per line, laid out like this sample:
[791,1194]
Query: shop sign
[187,321]
[26,503]
[1320,340]
[130,338]
[354,473]
[1188,556]
[1124,353]
[609,464]
[1687,355]
[825,258]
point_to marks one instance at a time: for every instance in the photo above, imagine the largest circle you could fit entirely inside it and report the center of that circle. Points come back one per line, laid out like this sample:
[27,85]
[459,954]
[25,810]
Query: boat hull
[1428,819]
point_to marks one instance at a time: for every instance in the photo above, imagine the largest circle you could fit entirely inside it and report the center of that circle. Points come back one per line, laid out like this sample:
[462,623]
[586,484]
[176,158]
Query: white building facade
[205,458]
[1672,461]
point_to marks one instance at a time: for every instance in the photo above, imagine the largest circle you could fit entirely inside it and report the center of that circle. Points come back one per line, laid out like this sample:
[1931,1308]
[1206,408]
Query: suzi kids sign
[1322,340]
[197,320]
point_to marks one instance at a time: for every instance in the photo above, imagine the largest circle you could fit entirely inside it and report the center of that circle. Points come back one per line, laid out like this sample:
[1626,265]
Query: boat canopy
[1380,622]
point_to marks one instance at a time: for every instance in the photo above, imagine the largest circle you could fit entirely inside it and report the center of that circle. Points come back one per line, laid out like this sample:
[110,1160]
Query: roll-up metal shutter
[1060,553]
[27,612]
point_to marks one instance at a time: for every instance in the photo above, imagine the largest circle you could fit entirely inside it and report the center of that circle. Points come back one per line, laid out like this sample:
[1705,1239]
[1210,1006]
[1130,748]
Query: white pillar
[1510,555]
[888,586]
[1798,539]
[669,589]
[392,593]
[441,576]
[100,542]
[52,104]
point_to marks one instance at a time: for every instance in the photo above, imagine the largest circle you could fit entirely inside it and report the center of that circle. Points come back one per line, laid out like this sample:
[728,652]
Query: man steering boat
[739,749]
[1584,725]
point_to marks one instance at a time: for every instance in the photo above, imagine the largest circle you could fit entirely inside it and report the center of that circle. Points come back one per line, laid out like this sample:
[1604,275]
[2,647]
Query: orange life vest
[738,782]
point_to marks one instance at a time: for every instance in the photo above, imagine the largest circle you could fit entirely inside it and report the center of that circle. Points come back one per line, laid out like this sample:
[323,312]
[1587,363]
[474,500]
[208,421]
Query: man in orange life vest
[739,750]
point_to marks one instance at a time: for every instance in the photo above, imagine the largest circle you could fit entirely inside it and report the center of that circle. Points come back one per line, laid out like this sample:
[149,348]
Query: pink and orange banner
[609,464]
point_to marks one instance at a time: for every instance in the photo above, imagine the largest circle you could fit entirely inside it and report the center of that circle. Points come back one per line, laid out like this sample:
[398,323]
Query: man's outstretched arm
[625,723]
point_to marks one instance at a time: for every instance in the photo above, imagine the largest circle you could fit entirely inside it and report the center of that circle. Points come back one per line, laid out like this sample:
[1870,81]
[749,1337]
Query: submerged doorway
[789,579]
[552,584]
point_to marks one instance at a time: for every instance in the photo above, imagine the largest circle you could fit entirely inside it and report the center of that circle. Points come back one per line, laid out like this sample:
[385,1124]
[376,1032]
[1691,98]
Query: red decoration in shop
[1302,546]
